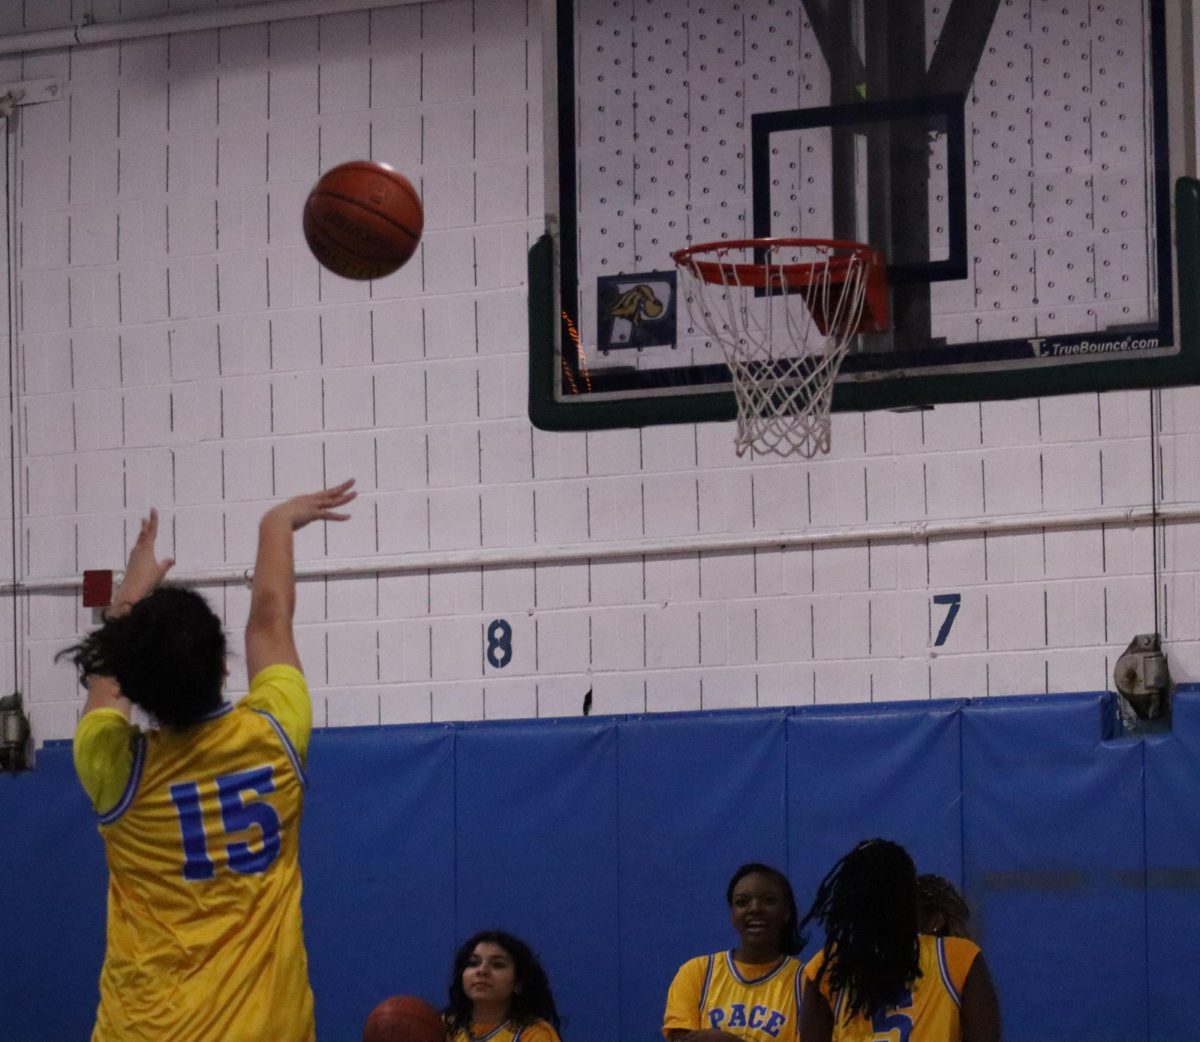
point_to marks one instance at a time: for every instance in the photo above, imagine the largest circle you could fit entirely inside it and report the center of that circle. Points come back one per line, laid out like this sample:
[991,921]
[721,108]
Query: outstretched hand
[269,637]
[144,571]
[316,506]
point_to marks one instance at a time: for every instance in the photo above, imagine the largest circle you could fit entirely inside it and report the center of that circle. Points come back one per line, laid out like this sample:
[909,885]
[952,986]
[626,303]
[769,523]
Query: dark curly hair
[937,896]
[167,654]
[868,906]
[790,941]
[532,1000]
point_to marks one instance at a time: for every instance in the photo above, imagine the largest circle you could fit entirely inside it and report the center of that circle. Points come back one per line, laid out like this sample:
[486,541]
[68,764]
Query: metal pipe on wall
[502,557]
[183,22]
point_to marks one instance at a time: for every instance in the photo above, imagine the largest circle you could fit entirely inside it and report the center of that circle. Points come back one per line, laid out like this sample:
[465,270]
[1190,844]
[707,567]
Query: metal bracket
[28,92]
[1142,677]
[14,734]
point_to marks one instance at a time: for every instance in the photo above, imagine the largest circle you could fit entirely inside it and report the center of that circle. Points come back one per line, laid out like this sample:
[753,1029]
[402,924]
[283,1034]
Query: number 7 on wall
[954,600]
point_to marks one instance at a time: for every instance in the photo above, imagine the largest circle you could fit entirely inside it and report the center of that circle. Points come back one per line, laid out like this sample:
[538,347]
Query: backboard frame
[564,396]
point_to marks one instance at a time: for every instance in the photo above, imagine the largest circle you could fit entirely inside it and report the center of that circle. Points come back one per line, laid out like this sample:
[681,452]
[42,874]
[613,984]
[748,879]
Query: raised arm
[269,638]
[143,573]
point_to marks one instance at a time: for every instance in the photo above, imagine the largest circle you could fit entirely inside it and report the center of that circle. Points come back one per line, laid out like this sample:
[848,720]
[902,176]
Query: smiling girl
[751,991]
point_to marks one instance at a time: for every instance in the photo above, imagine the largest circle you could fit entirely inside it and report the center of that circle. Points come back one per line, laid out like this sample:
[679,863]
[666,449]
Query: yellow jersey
[538,1031]
[927,1013]
[205,942]
[757,1002]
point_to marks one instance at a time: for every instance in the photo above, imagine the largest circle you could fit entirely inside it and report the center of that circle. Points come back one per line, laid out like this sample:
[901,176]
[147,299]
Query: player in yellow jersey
[499,993]
[200,815]
[878,979]
[752,992]
[941,910]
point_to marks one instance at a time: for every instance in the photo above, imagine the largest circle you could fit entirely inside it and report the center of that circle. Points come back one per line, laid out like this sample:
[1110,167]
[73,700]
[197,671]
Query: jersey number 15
[237,815]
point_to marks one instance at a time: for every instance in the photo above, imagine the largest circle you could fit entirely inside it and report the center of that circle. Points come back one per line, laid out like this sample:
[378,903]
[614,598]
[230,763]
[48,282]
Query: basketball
[404,1018]
[363,220]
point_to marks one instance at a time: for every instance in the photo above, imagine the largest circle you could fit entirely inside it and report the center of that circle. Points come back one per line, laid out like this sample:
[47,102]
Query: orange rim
[834,265]
[760,275]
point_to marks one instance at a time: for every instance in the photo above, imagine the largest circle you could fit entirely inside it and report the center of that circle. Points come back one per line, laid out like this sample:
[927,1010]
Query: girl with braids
[499,993]
[752,991]
[878,977]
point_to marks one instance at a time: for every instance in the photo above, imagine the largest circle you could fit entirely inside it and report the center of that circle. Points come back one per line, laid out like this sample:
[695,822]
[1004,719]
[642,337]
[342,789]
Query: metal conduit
[87,33]
[500,557]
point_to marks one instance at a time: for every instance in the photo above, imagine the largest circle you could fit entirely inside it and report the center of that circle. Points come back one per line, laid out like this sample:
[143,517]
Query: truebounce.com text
[1092,347]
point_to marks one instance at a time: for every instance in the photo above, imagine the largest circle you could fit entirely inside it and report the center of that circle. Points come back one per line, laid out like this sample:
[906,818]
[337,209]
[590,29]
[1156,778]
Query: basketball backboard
[1016,164]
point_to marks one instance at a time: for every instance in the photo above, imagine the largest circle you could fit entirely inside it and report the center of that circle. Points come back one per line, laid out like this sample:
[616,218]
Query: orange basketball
[363,220]
[404,1018]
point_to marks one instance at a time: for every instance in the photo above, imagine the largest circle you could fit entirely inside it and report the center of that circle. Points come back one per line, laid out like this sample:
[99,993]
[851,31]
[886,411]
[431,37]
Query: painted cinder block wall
[177,346]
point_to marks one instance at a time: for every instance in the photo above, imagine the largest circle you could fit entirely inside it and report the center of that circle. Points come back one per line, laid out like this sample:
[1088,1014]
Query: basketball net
[784,323]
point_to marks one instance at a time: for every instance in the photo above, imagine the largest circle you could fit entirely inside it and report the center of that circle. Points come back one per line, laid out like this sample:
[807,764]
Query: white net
[784,319]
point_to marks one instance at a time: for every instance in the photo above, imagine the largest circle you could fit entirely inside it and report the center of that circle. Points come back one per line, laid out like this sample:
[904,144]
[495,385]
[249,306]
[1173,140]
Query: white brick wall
[179,347]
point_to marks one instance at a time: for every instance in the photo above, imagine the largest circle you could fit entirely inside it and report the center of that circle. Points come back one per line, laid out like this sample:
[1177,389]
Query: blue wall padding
[855,772]
[700,795]
[377,848]
[1054,837]
[1173,875]
[53,887]
[537,833]
[608,844]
